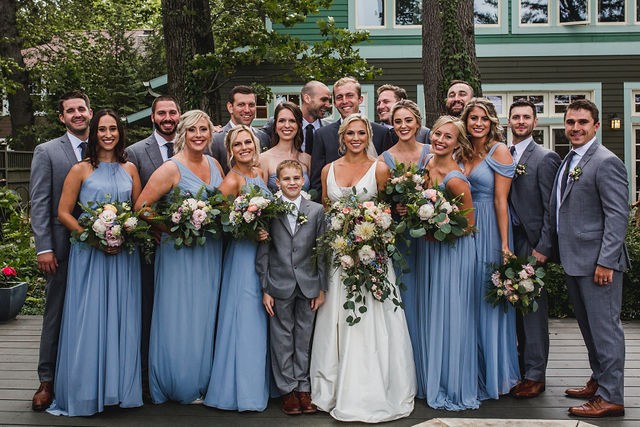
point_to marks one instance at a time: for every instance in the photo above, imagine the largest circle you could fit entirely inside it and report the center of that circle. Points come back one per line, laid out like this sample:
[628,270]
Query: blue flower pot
[11,300]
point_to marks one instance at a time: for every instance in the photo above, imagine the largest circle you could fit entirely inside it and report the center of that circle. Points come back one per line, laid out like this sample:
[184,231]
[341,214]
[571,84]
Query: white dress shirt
[521,147]
[75,143]
[305,123]
[293,216]
[579,152]
[162,144]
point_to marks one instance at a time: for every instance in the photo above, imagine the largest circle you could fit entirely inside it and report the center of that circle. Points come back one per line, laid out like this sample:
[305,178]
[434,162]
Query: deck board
[568,367]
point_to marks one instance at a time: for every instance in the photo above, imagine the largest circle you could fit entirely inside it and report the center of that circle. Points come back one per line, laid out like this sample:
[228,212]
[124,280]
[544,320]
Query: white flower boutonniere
[302,219]
[575,173]
[521,169]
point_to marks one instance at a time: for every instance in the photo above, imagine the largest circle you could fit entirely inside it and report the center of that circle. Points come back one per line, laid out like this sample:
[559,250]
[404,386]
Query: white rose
[99,227]
[346,261]
[446,206]
[115,230]
[417,179]
[201,204]
[248,216]
[366,254]
[259,201]
[527,284]
[107,216]
[426,211]
[384,220]
[190,203]
[131,223]
[523,274]
[336,223]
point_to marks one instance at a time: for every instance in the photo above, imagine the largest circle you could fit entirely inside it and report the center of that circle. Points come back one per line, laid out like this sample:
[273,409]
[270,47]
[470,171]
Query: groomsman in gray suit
[51,162]
[529,196]
[589,212]
[293,288]
[388,95]
[148,155]
[242,108]
[315,104]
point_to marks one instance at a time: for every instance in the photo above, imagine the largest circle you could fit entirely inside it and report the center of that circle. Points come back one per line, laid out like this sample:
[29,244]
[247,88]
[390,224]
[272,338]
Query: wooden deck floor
[19,340]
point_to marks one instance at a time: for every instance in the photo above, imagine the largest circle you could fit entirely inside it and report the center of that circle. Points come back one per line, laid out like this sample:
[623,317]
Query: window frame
[574,23]
[626,14]
[550,16]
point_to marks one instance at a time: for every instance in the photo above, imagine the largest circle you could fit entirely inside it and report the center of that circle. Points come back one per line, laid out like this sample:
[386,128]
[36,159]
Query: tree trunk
[448,51]
[20,105]
[187,31]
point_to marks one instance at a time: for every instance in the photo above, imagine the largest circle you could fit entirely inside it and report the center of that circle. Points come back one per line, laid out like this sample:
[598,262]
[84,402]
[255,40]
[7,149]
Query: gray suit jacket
[51,163]
[530,193]
[286,260]
[219,152]
[593,214]
[146,156]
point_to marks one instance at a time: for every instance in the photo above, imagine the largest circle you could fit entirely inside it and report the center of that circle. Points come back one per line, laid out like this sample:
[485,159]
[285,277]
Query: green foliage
[7,65]
[17,249]
[559,305]
[456,62]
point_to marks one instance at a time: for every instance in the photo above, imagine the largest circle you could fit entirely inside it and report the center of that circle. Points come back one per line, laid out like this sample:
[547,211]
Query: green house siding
[309,31]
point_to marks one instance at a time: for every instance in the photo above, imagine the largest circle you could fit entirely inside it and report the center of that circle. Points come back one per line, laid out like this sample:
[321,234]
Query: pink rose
[252,208]
[9,271]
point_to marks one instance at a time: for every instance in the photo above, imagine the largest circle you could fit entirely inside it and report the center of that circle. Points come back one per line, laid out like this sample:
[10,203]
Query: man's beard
[158,127]
[320,113]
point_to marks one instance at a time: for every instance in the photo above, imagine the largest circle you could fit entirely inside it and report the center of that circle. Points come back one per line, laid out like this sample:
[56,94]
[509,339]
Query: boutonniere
[521,169]
[302,219]
[575,173]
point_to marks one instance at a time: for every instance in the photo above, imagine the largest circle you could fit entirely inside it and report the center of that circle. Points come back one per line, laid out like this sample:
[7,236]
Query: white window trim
[370,27]
[633,172]
[629,122]
[627,4]
[536,25]
[397,26]
[499,24]
[569,24]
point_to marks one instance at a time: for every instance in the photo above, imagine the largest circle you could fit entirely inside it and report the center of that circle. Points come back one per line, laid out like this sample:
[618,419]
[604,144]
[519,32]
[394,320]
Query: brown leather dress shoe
[586,392]
[597,407]
[291,404]
[43,397]
[528,388]
[305,403]
[515,387]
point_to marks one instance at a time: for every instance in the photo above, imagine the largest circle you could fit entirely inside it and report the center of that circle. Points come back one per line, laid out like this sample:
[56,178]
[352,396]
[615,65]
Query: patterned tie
[308,139]
[83,149]
[565,174]
[169,146]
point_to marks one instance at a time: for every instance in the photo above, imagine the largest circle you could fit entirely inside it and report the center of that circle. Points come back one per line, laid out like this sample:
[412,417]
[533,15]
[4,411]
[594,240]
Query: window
[261,108]
[408,12]
[636,162]
[636,104]
[561,101]
[291,97]
[573,11]
[486,12]
[559,142]
[498,103]
[611,11]
[637,11]
[534,12]
[370,13]
[537,100]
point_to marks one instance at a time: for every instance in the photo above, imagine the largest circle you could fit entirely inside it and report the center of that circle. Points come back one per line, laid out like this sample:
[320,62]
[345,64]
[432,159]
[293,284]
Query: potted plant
[13,293]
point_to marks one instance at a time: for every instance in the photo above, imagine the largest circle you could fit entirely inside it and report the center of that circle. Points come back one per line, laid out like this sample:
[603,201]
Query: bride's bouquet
[404,183]
[435,212]
[252,211]
[189,219]
[516,282]
[113,225]
[360,239]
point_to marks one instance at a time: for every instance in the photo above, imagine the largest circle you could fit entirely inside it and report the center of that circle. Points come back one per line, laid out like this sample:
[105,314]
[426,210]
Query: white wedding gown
[363,372]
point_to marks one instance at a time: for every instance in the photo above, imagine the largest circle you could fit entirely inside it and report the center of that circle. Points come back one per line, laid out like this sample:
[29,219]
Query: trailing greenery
[17,249]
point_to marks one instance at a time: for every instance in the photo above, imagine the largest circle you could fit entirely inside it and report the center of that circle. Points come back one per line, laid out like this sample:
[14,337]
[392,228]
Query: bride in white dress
[363,372]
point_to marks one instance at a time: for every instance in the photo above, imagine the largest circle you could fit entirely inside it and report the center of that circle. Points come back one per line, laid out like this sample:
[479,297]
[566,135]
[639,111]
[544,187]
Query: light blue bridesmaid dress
[273,186]
[187,287]
[447,338]
[410,296]
[98,361]
[241,369]
[498,369]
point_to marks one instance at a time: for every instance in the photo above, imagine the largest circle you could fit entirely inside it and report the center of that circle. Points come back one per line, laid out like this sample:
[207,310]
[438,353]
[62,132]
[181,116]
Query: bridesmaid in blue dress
[187,280]
[98,360]
[407,120]
[241,368]
[451,368]
[490,171]
[286,144]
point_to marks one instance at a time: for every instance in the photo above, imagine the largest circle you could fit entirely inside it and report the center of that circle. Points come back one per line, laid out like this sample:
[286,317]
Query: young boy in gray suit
[293,288]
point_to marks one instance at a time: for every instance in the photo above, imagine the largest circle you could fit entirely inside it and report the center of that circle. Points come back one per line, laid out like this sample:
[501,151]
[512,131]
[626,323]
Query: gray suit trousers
[290,330]
[597,310]
[535,330]
[55,293]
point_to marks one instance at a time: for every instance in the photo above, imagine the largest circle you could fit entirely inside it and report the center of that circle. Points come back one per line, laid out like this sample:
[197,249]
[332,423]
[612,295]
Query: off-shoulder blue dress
[98,360]
[498,369]
[241,370]
[187,286]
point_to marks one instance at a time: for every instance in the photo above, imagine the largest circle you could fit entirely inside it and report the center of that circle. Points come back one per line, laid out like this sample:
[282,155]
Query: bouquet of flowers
[435,212]
[113,225]
[189,219]
[517,282]
[360,239]
[405,181]
[251,211]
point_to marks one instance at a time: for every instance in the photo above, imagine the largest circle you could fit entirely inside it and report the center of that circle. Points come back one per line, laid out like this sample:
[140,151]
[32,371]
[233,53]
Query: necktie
[308,139]
[83,149]
[169,146]
[565,174]
[512,149]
